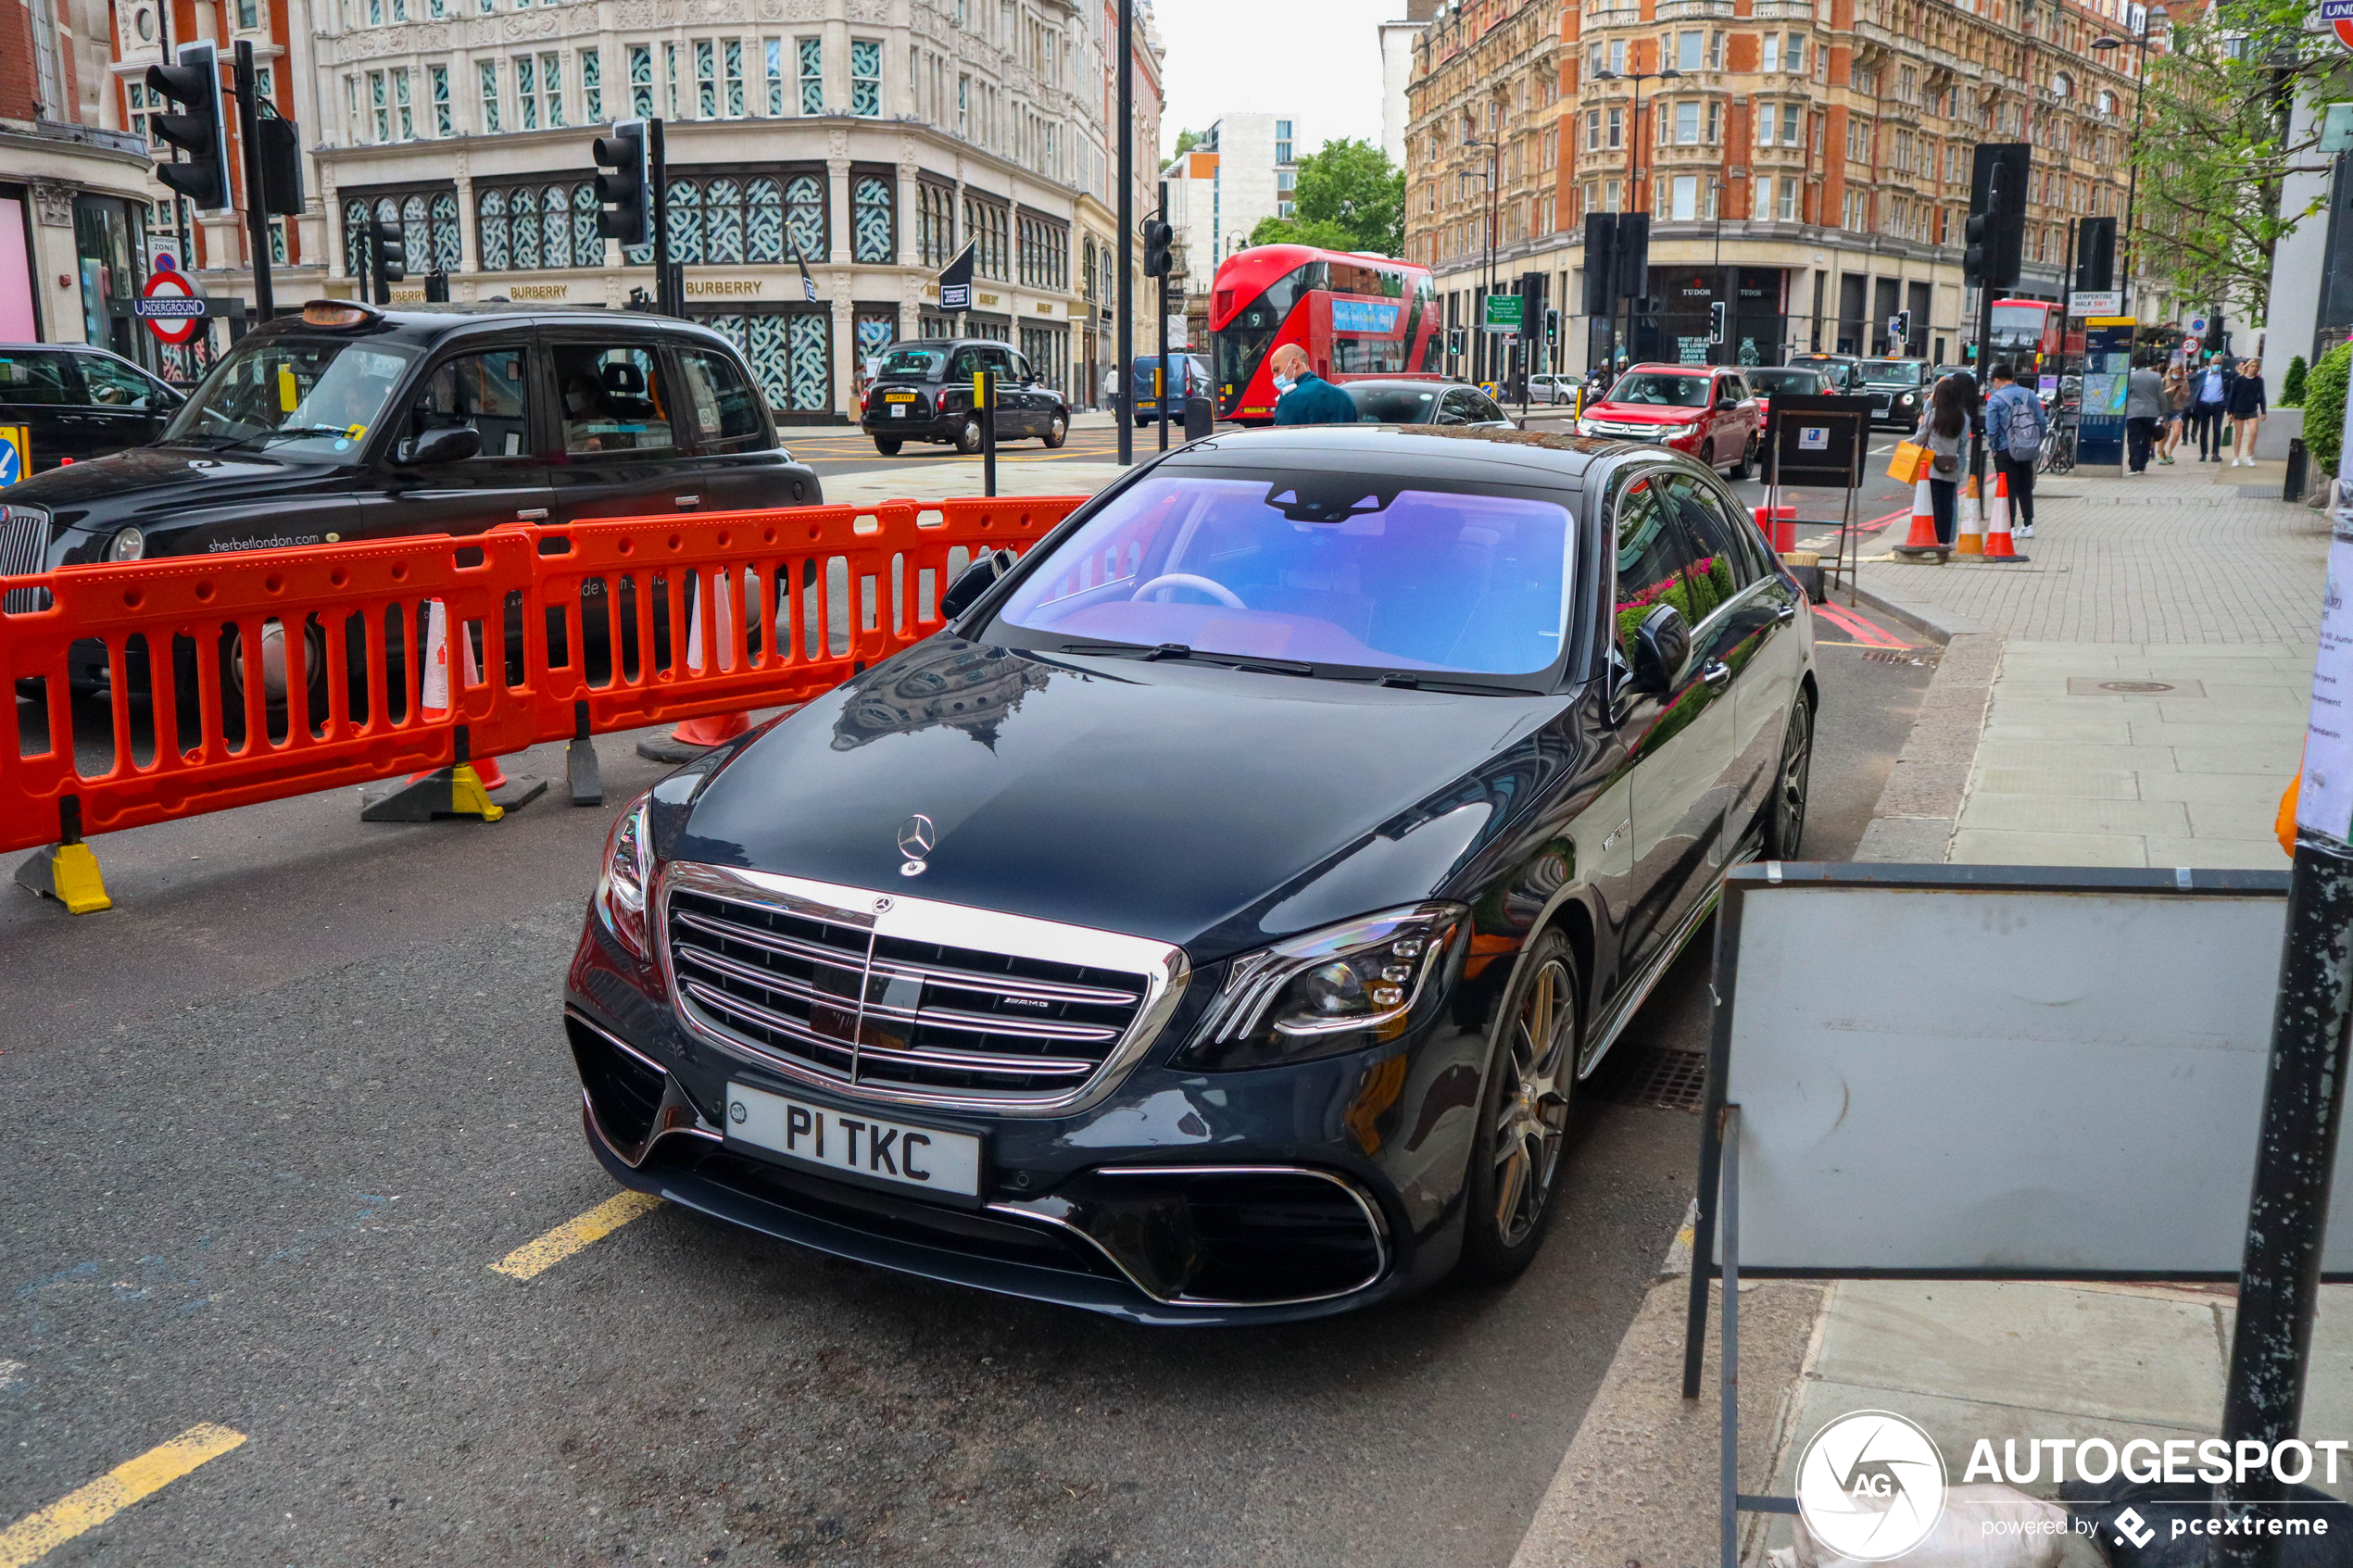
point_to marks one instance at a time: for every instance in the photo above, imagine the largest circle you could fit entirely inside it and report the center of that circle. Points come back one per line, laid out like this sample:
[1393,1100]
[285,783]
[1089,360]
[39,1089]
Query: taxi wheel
[968,437]
[1058,431]
[886,444]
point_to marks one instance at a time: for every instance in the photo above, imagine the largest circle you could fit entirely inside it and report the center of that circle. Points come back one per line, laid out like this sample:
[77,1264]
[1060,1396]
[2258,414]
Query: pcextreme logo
[1870,1486]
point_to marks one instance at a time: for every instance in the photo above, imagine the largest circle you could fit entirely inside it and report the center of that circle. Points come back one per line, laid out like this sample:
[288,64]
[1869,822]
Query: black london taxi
[924,392]
[75,402]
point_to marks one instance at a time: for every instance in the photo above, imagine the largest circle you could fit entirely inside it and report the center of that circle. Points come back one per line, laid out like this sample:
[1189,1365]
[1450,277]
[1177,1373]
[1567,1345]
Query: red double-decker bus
[1355,315]
[2027,332]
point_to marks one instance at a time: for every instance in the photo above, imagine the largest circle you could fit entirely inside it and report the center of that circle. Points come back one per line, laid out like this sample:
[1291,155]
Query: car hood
[1201,806]
[1643,413]
[144,482]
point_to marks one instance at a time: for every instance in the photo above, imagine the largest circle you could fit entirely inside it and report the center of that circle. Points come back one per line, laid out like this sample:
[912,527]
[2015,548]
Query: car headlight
[1908,399]
[629,871]
[1588,427]
[1343,988]
[129,545]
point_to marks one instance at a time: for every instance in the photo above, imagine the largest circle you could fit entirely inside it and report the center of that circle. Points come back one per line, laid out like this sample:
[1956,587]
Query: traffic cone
[696,736]
[1997,532]
[1971,539]
[433,702]
[465,788]
[1923,540]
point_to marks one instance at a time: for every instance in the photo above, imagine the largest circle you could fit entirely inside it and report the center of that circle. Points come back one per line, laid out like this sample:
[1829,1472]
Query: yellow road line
[36,1535]
[535,1257]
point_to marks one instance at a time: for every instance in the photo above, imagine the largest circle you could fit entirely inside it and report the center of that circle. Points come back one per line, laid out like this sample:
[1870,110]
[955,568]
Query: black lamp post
[1494,177]
[1633,144]
[2140,43]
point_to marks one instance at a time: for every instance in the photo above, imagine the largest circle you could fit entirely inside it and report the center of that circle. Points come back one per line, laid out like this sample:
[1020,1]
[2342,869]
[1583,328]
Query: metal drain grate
[1662,1079]
[1898,656]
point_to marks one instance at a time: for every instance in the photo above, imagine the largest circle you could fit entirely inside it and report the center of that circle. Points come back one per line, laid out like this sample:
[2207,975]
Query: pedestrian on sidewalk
[2211,383]
[1944,430]
[2247,410]
[2014,430]
[2175,412]
[2143,401]
[1307,399]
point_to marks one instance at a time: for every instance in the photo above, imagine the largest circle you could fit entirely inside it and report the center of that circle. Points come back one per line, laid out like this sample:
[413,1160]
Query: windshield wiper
[1179,650]
[1470,688]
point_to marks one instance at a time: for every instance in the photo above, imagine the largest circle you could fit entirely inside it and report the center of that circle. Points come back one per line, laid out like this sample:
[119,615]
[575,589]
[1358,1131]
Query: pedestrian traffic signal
[623,185]
[195,81]
[1716,321]
[1995,233]
[1158,237]
[1899,331]
[387,256]
[1552,325]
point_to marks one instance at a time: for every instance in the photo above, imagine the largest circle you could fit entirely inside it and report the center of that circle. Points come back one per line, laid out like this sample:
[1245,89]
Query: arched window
[497,253]
[763,221]
[2063,84]
[354,238]
[685,221]
[722,204]
[588,244]
[870,218]
[523,214]
[448,248]
[805,216]
[2107,103]
[555,228]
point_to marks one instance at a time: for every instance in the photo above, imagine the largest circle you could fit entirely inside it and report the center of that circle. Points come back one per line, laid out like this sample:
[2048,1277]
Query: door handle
[687,500]
[532,514]
[1717,673]
[1787,613]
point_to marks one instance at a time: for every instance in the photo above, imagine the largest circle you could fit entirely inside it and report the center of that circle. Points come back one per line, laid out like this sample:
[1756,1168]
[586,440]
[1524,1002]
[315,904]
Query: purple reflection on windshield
[1432,580]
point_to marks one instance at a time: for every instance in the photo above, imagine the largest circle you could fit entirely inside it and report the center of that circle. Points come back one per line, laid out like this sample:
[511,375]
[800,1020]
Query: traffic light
[1454,342]
[1899,331]
[280,145]
[1633,256]
[1997,231]
[195,81]
[1716,321]
[1158,237]
[1552,325]
[2095,255]
[387,256]
[1601,262]
[623,185]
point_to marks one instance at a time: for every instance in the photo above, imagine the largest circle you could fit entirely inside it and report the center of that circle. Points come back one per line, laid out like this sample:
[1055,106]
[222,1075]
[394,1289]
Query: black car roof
[945,343]
[427,325]
[1543,457]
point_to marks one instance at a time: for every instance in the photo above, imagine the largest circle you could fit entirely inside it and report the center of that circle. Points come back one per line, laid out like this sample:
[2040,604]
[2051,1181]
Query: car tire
[1785,811]
[1523,1115]
[968,435]
[1057,430]
[1747,461]
[886,444]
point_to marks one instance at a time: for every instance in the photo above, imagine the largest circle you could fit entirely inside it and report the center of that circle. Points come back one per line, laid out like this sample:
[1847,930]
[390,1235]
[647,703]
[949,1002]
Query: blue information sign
[2108,361]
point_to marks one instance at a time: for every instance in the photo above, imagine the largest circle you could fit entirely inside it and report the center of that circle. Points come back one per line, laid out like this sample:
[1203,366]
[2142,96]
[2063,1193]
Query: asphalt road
[276,1115]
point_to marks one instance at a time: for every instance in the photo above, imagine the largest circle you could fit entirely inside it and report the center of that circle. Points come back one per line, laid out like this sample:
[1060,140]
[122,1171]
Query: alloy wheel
[1532,1110]
[1790,782]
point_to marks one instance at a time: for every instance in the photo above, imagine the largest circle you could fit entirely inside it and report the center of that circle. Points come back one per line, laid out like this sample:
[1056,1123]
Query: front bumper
[1177,1199]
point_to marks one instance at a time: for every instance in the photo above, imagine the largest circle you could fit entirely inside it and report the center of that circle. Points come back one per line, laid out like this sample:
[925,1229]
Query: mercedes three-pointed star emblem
[916,837]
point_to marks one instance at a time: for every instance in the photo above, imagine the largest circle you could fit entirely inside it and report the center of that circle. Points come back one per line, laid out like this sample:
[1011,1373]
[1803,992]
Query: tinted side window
[613,399]
[34,378]
[1735,388]
[723,407]
[109,384]
[1721,563]
[485,391]
[965,365]
[1483,407]
[1018,367]
[1650,558]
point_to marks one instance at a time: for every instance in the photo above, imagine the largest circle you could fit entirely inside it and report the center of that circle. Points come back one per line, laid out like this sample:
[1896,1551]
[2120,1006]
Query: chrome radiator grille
[852,1002]
[24,547]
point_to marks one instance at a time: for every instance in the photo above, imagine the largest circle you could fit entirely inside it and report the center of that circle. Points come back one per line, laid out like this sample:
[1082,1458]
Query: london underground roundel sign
[160,307]
[2338,14]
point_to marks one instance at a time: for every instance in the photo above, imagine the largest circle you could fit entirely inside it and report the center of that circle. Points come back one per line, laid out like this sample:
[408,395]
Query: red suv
[1705,412]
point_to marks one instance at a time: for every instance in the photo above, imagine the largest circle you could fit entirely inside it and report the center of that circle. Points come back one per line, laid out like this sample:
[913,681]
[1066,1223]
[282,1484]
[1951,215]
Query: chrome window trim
[1163,966]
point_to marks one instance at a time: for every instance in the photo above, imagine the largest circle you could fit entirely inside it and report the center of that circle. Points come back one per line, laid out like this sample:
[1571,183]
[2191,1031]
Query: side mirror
[454,445]
[1662,644]
[975,580]
[1727,401]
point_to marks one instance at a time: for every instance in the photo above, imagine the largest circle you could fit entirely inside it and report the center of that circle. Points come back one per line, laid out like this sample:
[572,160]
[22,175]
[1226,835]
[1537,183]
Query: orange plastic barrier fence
[245,677]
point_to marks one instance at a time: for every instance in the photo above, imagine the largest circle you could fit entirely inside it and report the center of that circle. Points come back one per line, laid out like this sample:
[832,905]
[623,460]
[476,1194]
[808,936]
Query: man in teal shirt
[1307,399]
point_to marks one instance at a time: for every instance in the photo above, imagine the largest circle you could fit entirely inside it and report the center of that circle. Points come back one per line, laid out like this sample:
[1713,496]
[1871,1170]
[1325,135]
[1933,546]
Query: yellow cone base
[450,792]
[68,872]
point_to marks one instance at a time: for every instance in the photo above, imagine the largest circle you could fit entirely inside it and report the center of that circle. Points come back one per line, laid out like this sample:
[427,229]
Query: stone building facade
[1809,164]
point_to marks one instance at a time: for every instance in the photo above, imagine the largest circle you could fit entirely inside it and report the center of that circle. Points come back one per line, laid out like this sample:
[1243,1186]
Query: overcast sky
[1315,61]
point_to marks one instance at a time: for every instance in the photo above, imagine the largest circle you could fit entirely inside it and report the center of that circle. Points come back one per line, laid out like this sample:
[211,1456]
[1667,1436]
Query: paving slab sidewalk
[2039,742]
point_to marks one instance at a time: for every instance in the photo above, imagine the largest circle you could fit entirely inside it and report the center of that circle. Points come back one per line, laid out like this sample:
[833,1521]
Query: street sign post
[2096,302]
[16,453]
[1504,311]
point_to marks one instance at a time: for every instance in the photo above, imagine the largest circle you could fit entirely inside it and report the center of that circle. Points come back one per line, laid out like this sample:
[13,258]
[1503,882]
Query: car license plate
[899,397]
[898,410]
[928,1158]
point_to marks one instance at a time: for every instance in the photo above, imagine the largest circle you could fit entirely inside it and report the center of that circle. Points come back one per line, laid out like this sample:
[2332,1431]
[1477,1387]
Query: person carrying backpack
[2015,425]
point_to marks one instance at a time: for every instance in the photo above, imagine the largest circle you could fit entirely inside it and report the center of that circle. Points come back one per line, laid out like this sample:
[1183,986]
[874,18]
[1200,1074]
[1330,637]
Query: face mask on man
[1284,384]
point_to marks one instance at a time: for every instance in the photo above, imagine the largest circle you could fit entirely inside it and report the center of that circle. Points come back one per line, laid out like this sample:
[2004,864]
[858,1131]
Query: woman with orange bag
[1944,431]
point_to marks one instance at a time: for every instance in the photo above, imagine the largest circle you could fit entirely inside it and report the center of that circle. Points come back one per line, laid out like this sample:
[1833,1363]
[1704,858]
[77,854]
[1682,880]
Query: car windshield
[914,364]
[1770,382]
[1318,568]
[1674,391]
[1391,405]
[300,395]
[1891,373]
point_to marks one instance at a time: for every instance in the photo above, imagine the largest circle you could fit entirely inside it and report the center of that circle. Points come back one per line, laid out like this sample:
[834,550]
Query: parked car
[1844,372]
[1554,388]
[1704,411]
[1897,388]
[348,423]
[1764,380]
[76,401]
[1213,921]
[1145,407]
[1420,401]
[925,393]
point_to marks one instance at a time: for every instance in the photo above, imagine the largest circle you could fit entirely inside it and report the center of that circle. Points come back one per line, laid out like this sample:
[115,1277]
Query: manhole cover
[1668,1080]
[2134,688]
[2095,685]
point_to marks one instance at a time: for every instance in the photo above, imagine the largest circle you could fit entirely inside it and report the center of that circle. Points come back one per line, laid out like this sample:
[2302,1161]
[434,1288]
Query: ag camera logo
[1870,1486]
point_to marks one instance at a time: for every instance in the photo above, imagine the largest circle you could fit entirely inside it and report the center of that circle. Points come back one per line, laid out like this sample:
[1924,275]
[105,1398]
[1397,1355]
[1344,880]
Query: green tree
[2214,151]
[1186,142]
[2292,384]
[1352,186]
[2324,406]
[1291,232]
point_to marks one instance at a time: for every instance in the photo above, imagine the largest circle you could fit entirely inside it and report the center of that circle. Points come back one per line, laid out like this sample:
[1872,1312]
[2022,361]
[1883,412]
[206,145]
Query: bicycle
[2059,445]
